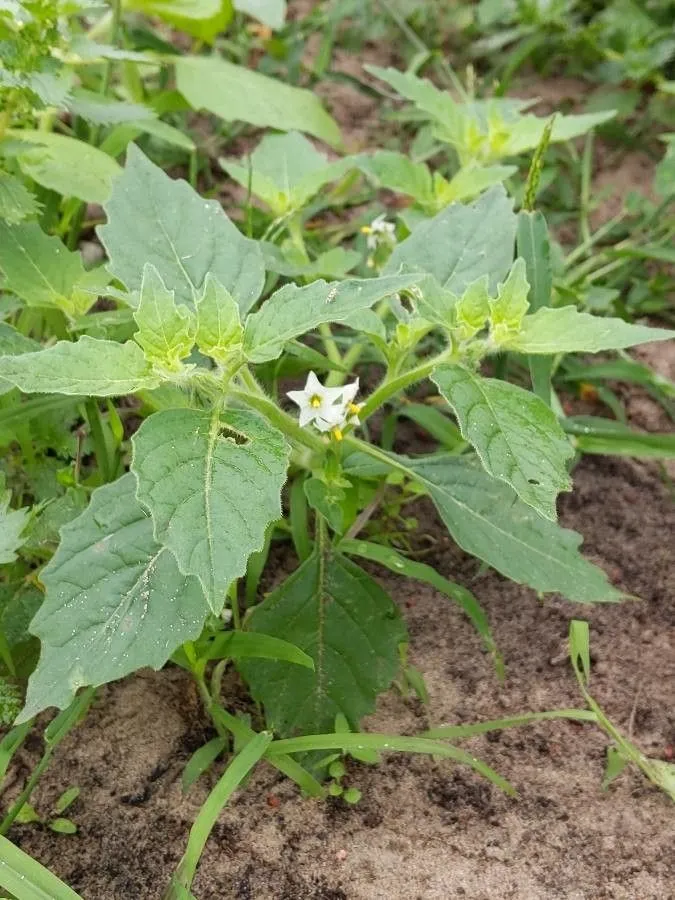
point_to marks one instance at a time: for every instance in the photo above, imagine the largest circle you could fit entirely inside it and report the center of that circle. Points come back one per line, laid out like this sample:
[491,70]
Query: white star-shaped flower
[351,409]
[316,402]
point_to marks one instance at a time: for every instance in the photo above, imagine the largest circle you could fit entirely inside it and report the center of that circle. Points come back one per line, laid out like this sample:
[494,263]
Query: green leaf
[26,878]
[526,133]
[439,425]
[286,171]
[608,437]
[62,826]
[462,243]
[88,366]
[269,12]
[212,484]
[219,331]
[43,272]
[470,181]
[16,201]
[239,93]
[115,601]
[515,434]
[396,562]
[294,310]
[392,743]
[247,644]
[202,760]
[511,304]
[397,172]
[152,218]
[328,500]
[166,331]
[102,110]
[339,616]
[615,763]
[457,732]
[201,18]
[66,799]
[12,525]
[535,248]
[566,330]
[13,343]
[486,518]
[66,165]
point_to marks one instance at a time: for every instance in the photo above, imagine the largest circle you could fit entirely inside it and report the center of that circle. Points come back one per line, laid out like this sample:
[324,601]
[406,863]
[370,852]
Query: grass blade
[27,878]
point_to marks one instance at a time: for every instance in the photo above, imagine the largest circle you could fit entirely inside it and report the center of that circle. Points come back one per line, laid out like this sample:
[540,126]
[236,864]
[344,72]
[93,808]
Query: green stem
[391,386]
[100,444]
[234,606]
[586,172]
[25,794]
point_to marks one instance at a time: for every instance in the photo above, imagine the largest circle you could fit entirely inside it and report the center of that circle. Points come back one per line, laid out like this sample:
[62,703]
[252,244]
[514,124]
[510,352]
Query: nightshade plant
[147,570]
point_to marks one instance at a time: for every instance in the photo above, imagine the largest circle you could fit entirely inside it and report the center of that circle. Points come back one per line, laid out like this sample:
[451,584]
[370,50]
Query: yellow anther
[315,401]
[337,433]
[354,408]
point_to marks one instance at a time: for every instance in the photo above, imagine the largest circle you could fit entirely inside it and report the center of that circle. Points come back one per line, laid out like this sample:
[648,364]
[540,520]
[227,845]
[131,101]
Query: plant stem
[277,417]
[100,444]
[391,386]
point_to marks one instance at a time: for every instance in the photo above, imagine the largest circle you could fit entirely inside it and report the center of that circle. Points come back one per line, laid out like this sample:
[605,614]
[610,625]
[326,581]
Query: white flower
[351,409]
[328,409]
[379,231]
[316,402]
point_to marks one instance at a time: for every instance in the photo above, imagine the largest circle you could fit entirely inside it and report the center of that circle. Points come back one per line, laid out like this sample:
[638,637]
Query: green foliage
[236,93]
[340,617]
[116,601]
[212,484]
[153,219]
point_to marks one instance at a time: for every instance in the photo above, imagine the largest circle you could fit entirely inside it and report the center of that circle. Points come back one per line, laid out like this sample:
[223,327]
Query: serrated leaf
[238,93]
[511,304]
[66,165]
[566,330]
[152,218]
[517,437]
[16,201]
[12,525]
[462,243]
[115,601]
[166,331]
[211,498]
[88,366]
[286,171]
[486,518]
[43,272]
[294,310]
[340,617]
[219,331]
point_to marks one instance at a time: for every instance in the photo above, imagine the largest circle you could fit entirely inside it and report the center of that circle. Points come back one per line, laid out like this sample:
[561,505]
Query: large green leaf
[295,310]
[486,518]
[12,524]
[115,601]
[88,366]
[340,617]
[566,330]
[43,272]
[515,434]
[66,165]
[239,93]
[16,201]
[462,243]
[154,219]
[286,171]
[212,484]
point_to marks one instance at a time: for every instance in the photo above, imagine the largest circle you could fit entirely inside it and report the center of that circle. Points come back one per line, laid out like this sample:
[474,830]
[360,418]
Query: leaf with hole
[212,484]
